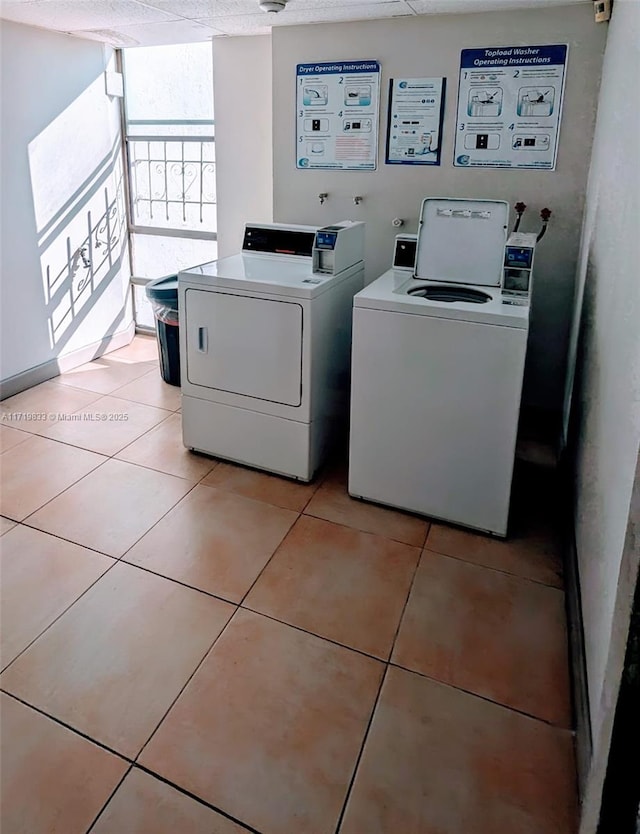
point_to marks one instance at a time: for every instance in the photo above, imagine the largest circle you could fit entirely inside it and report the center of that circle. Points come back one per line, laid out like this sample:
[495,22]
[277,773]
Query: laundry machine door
[244,345]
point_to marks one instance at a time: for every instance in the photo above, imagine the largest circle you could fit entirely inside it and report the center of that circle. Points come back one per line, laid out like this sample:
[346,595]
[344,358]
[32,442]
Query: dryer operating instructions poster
[509,106]
[337,115]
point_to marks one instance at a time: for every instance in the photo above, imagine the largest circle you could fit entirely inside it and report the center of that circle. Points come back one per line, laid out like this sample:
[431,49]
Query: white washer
[265,348]
[436,382]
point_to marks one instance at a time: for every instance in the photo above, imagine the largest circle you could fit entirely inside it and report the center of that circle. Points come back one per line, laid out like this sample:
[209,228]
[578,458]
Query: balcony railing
[172,184]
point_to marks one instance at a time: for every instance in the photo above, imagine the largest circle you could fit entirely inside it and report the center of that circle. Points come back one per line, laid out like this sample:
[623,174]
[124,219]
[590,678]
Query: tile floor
[191,647]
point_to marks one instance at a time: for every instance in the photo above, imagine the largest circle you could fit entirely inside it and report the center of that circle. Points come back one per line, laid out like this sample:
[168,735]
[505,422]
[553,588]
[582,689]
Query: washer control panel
[517,271]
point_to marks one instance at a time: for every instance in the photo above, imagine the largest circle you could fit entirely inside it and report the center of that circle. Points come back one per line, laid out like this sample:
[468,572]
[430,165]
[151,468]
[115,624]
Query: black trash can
[163,295]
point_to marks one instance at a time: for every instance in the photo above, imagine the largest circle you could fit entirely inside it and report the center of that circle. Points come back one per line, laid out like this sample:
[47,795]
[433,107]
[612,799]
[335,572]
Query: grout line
[56,440]
[495,570]
[197,481]
[10,518]
[155,524]
[109,798]
[284,622]
[57,495]
[185,685]
[268,562]
[69,727]
[484,698]
[223,488]
[31,435]
[25,523]
[386,661]
[57,379]
[194,796]
[62,613]
[361,751]
[313,634]
[168,411]
[75,446]
[139,402]
[27,434]
[216,462]
[311,497]
[112,455]
[117,558]
[209,594]
[404,607]
[91,404]
[10,410]
[365,532]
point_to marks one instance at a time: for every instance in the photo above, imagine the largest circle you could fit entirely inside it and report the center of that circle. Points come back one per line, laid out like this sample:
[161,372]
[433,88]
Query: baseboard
[54,367]
[579,687]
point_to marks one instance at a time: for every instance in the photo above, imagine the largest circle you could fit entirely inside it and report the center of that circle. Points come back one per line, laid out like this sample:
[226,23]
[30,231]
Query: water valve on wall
[397,222]
[357,200]
[322,197]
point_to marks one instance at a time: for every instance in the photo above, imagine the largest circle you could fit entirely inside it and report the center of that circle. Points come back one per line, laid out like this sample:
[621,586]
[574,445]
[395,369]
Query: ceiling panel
[246,24]
[143,22]
[461,6]
[110,36]
[200,9]
[211,9]
[72,15]
[152,34]
[343,4]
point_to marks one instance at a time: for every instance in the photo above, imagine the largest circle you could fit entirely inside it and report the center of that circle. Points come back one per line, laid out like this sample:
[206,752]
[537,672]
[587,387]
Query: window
[170,143]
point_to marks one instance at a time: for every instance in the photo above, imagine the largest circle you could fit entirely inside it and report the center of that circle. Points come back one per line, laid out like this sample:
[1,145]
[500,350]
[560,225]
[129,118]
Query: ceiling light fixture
[273,6]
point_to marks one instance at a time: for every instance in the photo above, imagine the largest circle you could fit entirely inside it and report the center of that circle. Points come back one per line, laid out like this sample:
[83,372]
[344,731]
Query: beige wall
[607,394]
[242,101]
[430,46]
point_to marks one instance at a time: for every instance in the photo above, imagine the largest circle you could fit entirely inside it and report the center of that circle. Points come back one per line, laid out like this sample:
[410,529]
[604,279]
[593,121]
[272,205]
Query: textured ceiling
[150,22]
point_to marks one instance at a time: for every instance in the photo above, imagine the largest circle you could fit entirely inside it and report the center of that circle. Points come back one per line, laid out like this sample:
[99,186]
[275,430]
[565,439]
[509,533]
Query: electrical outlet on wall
[602,9]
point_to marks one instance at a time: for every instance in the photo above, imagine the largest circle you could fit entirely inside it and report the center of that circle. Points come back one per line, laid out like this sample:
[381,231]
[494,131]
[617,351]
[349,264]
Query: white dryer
[437,367]
[265,345]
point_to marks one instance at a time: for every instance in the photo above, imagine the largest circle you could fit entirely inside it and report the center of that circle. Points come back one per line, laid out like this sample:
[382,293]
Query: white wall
[430,46]
[607,394]
[60,170]
[242,100]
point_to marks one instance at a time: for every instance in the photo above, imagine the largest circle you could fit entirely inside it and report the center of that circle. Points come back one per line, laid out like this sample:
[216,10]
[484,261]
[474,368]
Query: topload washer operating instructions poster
[337,115]
[509,106]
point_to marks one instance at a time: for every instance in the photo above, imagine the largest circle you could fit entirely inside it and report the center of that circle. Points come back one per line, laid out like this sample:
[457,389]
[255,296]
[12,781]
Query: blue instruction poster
[414,127]
[337,106]
[509,106]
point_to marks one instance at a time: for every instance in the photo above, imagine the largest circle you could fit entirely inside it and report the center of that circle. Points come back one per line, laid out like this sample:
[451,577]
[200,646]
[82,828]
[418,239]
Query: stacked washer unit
[437,367]
[265,341]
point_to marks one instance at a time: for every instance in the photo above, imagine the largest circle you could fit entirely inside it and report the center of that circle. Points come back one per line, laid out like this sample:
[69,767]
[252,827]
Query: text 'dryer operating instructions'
[337,115]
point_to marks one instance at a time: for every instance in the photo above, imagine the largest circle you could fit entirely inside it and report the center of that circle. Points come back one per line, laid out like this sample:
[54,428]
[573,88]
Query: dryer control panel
[337,247]
[278,239]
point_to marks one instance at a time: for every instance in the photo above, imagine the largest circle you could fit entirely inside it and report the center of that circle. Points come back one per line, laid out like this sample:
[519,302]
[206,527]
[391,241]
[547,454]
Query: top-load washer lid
[462,241]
